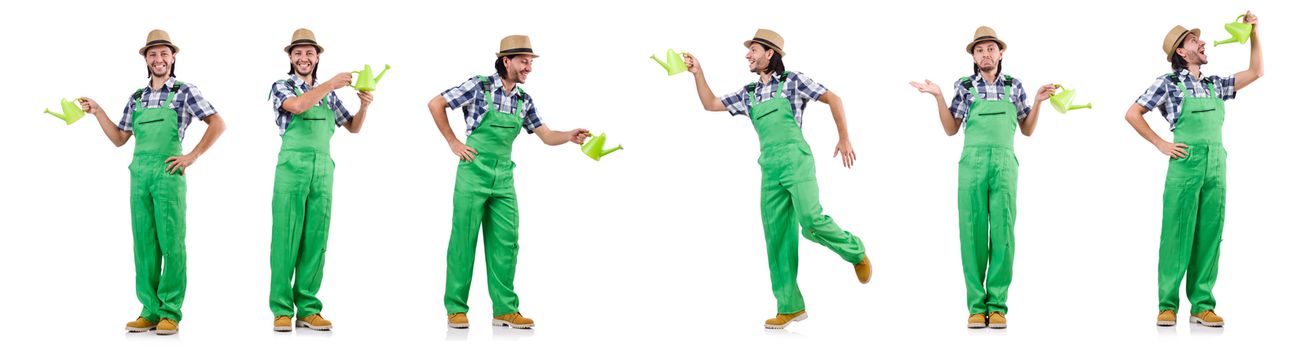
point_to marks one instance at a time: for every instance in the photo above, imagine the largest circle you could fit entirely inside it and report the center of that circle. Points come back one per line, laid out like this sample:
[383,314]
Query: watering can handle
[352,84]
[1240,18]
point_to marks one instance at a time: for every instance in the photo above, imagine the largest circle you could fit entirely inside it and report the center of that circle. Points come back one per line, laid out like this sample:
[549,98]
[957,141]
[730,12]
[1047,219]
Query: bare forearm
[116,136]
[1255,65]
[357,121]
[839,113]
[1135,118]
[215,128]
[302,103]
[1030,122]
[438,109]
[950,124]
[555,138]
[708,99]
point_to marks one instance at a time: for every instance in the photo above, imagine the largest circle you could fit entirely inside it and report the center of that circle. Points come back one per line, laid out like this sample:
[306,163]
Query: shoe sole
[997,326]
[500,323]
[1194,319]
[139,330]
[1165,323]
[300,323]
[166,331]
[281,328]
[458,325]
[976,325]
[800,318]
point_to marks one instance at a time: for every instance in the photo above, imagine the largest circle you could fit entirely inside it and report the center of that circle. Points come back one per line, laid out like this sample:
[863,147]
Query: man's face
[1193,50]
[159,60]
[986,56]
[758,57]
[517,67]
[304,58]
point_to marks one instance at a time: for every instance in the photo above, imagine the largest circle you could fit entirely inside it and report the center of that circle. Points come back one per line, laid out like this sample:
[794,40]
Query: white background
[661,243]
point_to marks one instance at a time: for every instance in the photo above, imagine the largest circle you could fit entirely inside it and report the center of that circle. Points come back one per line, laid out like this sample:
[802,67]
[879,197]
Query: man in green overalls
[158,115]
[1194,198]
[306,115]
[495,108]
[990,105]
[789,193]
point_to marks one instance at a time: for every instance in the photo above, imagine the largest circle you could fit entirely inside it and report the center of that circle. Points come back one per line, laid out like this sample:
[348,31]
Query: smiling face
[986,55]
[758,57]
[304,59]
[517,67]
[1193,50]
[159,60]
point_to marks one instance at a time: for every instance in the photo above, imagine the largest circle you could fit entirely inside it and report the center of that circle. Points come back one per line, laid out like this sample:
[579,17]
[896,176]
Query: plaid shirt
[281,91]
[1164,90]
[188,96]
[960,104]
[469,96]
[799,90]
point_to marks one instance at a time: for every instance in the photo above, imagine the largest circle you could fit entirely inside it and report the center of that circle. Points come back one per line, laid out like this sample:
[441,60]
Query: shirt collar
[498,85]
[167,83]
[1187,75]
[297,81]
[979,78]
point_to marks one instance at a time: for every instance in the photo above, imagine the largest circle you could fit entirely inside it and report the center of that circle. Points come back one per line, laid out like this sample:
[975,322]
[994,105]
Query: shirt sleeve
[125,123]
[1021,98]
[343,115]
[462,94]
[279,93]
[1226,87]
[960,102]
[736,102]
[530,119]
[1158,92]
[194,103]
[807,88]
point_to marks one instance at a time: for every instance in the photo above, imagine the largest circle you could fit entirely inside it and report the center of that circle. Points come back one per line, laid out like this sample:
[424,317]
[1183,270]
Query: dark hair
[976,68]
[172,70]
[500,67]
[1178,62]
[775,63]
[314,75]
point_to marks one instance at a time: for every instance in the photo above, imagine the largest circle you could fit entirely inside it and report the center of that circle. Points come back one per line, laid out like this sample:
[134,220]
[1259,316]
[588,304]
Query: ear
[1181,52]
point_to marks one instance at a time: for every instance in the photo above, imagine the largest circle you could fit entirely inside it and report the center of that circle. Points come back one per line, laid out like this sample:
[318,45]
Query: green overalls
[484,196]
[985,199]
[302,208]
[159,210]
[789,196]
[1194,202]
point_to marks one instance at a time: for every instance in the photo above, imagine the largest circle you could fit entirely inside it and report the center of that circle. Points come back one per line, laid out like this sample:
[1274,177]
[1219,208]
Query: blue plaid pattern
[960,104]
[799,90]
[281,91]
[189,103]
[470,98]
[1166,97]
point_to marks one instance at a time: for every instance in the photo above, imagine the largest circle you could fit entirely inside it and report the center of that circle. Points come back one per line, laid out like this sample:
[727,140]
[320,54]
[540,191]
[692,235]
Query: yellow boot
[1208,318]
[863,270]
[457,320]
[783,320]
[977,321]
[166,327]
[1166,318]
[315,322]
[141,324]
[514,320]
[996,320]
[282,324]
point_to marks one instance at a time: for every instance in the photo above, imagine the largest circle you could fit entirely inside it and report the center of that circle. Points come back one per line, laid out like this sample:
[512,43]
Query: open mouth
[303,66]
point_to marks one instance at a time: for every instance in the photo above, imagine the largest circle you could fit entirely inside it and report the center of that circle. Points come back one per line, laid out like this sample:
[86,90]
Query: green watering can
[1238,31]
[1064,100]
[673,62]
[72,111]
[595,148]
[366,81]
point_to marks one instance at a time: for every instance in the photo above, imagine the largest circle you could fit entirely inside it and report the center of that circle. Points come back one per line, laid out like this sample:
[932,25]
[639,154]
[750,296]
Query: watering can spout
[612,150]
[57,115]
[71,111]
[595,147]
[380,74]
[662,64]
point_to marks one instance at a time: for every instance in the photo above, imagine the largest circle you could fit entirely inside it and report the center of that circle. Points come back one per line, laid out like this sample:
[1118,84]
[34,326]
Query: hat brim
[503,54]
[1180,41]
[771,47]
[289,47]
[969,48]
[143,49]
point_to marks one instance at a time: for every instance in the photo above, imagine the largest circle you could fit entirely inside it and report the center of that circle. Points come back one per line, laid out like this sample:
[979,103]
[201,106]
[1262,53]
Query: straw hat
[302,37]
[984,33]
[768,38]
[155,38]
[1175,38]
[516,45]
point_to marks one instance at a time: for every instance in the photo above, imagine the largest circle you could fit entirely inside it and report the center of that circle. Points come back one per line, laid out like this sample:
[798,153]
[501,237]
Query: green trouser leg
[302,209]
[1191,227]
[159,227]
[789,196]
[986,205]
[484,196]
